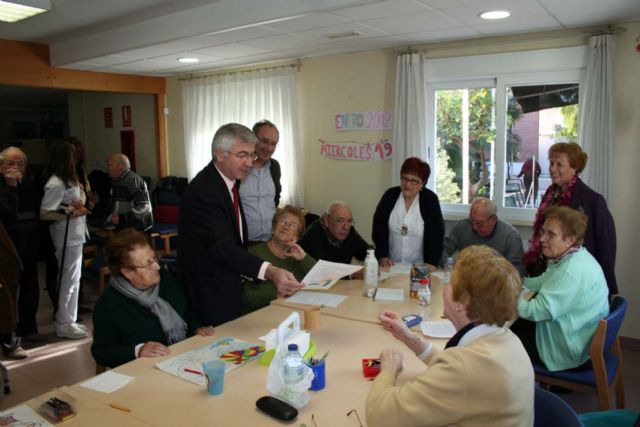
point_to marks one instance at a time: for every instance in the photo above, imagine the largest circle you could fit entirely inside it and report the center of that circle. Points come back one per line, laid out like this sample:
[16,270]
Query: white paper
[439,274]
[23,415]
[322,286]
[325,270]
[315,298]
[400,268]
[438,329]
[107,382]
[387,294]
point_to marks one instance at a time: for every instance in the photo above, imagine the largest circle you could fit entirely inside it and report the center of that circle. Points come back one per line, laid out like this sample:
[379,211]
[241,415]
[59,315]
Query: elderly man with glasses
[483,227]
[334,238]
[212,233]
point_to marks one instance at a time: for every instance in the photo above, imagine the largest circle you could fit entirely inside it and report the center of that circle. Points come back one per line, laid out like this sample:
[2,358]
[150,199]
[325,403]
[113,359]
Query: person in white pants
[63,203]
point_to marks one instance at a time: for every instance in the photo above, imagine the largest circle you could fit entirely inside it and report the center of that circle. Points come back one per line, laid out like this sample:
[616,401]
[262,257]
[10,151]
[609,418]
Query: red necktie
[236,206]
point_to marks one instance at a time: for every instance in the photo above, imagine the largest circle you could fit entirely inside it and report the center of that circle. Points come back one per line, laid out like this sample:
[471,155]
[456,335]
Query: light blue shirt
[257,193]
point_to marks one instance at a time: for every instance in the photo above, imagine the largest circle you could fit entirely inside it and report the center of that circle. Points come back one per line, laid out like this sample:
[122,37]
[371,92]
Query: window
[492,117]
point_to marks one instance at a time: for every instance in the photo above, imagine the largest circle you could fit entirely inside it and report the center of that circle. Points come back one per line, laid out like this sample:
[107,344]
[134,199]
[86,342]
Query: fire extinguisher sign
[126,116]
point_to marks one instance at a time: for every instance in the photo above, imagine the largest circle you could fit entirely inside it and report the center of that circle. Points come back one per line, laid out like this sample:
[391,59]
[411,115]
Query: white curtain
[596,114]
[245,98]
[409,117]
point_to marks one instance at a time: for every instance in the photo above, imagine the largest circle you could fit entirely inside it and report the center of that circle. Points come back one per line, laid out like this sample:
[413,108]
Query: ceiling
[146,37]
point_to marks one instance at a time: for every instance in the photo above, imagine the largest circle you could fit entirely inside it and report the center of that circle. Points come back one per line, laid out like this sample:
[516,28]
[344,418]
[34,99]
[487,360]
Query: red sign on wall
[126,116]
[108,117]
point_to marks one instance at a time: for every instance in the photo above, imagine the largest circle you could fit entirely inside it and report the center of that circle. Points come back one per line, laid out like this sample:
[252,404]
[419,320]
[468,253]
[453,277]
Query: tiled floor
[66,362]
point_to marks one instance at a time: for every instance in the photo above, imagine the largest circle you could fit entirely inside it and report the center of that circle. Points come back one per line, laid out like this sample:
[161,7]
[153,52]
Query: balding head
[483,217]
[117,164]
[338,220]
[13,157]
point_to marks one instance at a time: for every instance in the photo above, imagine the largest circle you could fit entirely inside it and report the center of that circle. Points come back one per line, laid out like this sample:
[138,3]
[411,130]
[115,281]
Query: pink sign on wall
[342,150]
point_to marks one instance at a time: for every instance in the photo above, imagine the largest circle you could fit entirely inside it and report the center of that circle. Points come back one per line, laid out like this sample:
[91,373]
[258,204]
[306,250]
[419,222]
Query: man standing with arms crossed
[212,233]
[260,190]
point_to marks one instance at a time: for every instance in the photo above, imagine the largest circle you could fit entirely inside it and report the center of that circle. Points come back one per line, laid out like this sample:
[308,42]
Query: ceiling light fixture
[494,14]
[17,10]
[188,60]
[343,35]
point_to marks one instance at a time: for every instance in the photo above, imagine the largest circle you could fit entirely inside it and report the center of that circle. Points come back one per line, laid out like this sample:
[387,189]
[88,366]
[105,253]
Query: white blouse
[406,231]
[55,193]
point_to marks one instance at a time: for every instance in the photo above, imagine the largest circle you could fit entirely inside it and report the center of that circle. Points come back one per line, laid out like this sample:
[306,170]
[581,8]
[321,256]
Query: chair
[606,358]
[95,265]
[551,411]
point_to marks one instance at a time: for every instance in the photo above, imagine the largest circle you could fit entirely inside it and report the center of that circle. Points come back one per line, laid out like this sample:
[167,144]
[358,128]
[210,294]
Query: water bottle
[370,274]
[448,269]
[424,300]
[293,365]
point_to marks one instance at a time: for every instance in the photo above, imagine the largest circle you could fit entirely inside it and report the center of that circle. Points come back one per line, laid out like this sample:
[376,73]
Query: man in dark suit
[212,233]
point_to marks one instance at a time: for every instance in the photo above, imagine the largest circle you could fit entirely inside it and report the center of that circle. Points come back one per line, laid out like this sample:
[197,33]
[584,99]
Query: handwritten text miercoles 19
[355,151]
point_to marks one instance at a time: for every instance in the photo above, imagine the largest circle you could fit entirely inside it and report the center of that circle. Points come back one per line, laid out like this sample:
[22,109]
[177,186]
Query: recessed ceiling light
[188,60]
[17,10]
[343,35]
[494,14]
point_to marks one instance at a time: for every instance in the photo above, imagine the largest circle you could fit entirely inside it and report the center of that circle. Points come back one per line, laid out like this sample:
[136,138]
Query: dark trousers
[28,299]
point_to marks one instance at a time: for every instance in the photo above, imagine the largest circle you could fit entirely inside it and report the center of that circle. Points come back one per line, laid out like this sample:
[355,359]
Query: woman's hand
[153,349]
[392,322]
[391,361]
[205,331]
[385,262]
[295,251]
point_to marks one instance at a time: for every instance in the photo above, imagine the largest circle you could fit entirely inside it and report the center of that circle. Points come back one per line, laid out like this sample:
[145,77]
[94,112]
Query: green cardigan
[572,297]
[259,294]
[120,323]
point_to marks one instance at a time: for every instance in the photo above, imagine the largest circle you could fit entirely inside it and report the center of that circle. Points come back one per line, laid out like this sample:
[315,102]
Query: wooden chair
[606,357]
[94,265]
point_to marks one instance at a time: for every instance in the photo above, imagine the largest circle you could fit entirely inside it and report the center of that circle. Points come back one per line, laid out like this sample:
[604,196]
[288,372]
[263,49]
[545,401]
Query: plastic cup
[214,373]
[312,318]
[318,382]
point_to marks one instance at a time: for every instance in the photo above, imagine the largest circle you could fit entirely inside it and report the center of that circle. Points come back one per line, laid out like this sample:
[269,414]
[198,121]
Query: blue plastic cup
[214,374]
[318,382]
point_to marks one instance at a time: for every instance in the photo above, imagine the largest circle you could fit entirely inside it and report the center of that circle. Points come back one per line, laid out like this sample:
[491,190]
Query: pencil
[119,407]
[191,371]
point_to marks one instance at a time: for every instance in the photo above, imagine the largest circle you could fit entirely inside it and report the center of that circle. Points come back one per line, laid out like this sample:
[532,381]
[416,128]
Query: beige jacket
[486,382]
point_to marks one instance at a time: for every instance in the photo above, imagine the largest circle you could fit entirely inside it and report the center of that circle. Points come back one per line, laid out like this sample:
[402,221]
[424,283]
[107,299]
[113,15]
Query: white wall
[366,81]
[86,121]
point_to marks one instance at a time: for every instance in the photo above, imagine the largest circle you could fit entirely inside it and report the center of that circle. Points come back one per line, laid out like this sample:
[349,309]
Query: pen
[374,294]
[119,407]
[191,371]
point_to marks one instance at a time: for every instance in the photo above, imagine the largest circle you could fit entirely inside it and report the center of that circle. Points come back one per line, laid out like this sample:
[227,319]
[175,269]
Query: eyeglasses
[148,265]
[18,163]
[410,181]
[288,224]
[243,155]
[268,142]
[480,223]
[339,220]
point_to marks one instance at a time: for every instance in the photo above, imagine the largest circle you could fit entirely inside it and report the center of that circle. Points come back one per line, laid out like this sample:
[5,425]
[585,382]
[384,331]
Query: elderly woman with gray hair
[144,310]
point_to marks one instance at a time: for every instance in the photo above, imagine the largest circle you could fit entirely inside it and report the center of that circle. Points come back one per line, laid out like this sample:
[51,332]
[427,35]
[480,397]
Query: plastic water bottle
[424,300]
[448,269]
[293,365]
[370,274]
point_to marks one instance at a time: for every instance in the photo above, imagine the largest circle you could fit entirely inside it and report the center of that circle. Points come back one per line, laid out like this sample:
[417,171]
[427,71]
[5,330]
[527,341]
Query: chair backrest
[614,320]
[551,411]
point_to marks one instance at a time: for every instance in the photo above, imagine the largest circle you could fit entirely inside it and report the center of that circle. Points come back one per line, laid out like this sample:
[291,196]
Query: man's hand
[12,176]
[285,282]
[391,361]
[153,349]
[385,262]
[205,331]
[115,219]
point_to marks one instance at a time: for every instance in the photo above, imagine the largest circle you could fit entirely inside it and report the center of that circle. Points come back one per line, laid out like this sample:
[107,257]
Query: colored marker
[119,407]
[191,371]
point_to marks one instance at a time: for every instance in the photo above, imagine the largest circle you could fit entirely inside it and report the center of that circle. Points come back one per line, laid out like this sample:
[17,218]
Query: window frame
[548,66]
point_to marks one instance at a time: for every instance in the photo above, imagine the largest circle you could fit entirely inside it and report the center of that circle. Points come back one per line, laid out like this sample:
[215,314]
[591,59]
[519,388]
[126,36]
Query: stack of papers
[438,329]
[387,294]
[325,274]
[107,382]
[315,298]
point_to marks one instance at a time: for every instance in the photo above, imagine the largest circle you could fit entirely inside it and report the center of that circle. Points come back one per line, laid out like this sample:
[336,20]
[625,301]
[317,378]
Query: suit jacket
[488,382]
[431,215]
[600,237]
[212,259]
[9,276]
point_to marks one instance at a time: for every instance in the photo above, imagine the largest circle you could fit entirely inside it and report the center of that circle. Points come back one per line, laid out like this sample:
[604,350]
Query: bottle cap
[293,347]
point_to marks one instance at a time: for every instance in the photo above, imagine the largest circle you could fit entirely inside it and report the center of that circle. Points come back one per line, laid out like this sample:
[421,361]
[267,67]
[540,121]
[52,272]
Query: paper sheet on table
[107,382]
[315,298]
[22,416]
[322,286]
[325,270]
[438,329]
[439,274]
[387,294]
[400,268]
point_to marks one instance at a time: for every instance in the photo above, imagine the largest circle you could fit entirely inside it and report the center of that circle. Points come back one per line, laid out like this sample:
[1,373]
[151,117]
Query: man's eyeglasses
[288,224]
[148,265]
[339,220]
[410,181]
[243,155]
[18,163]
[480,223]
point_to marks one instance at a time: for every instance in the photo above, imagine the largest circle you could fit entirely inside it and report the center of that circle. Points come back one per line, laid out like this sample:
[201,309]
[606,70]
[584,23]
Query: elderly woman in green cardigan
[144,310]
[560,310]
[283,251]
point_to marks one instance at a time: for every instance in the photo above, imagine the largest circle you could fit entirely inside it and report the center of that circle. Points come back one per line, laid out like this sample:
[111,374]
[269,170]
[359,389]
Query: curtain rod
[297,65]
[512,39]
